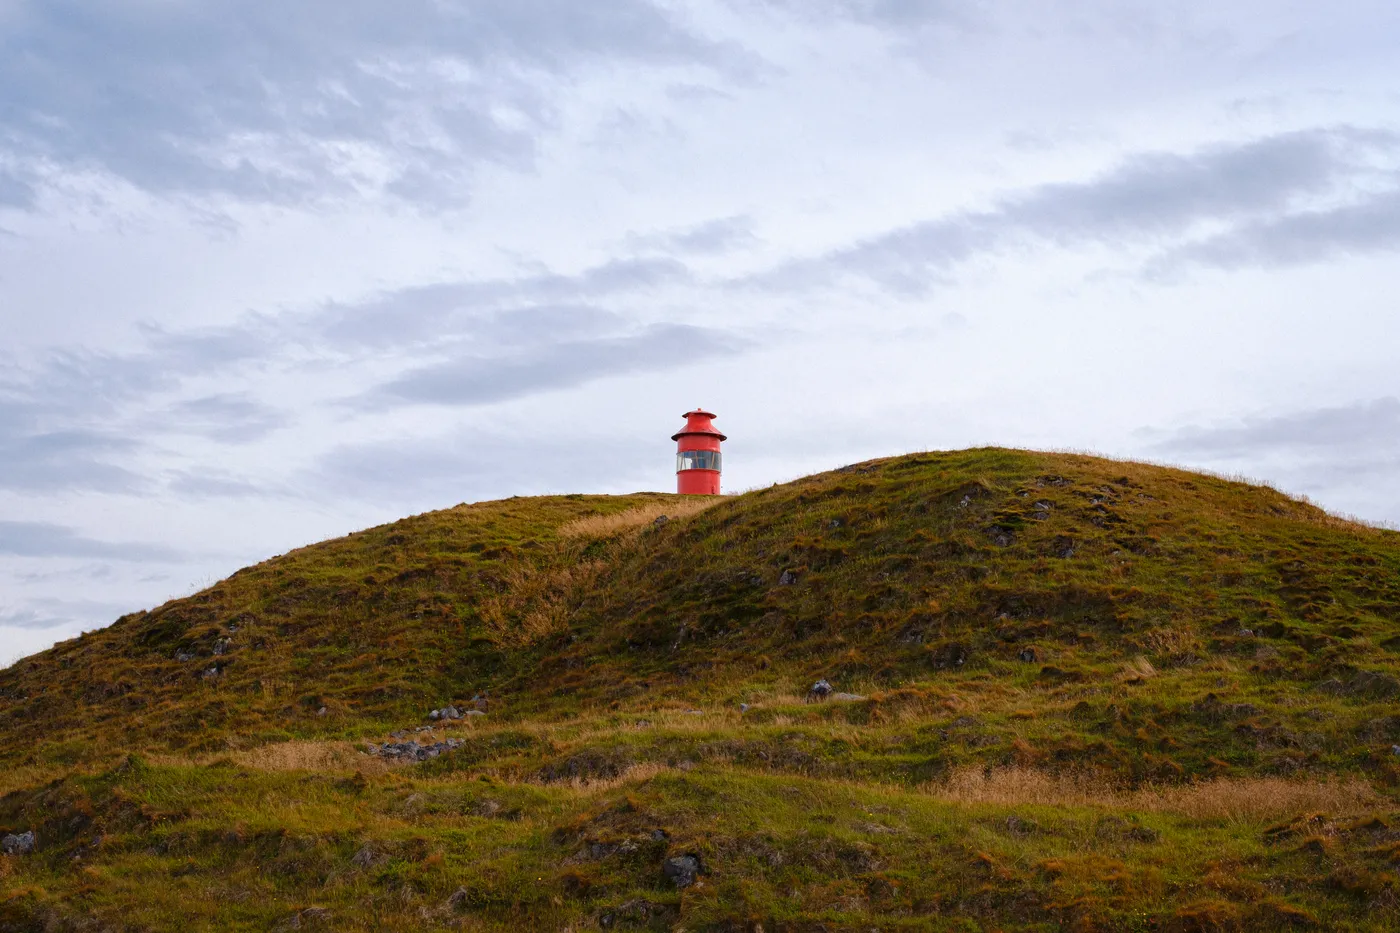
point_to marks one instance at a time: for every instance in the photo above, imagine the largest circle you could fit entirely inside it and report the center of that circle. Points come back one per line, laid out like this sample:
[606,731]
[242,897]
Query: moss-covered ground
[1091,695]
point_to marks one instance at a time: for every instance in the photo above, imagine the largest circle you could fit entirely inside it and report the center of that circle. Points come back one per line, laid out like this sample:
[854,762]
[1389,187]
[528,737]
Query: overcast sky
[272,272]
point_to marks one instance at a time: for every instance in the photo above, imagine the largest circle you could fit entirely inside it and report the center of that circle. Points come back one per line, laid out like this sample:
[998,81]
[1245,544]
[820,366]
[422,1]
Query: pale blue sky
[270,273]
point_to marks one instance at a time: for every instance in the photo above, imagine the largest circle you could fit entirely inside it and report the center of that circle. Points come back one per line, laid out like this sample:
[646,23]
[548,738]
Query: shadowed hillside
[1075,694]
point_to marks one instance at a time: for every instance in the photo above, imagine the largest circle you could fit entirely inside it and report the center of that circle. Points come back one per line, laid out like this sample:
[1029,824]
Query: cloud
[43,539]
[547,366]
[1301,238]
[719,235]
[230,417]
[72,459]
[1369,425]
[62,417]
[15,191]
[78,419]
[884,14]
[209,484]
[1147,197]
[274,103]
[427,471]
[429,314]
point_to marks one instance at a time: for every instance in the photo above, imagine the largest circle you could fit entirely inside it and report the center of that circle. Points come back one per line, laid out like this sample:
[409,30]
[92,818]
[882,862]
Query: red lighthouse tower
[697,455]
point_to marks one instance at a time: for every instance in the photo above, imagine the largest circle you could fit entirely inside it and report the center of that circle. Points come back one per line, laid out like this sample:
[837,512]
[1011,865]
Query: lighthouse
[697,455]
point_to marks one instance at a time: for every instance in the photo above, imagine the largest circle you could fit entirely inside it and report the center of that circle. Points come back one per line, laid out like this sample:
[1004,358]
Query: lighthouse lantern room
[697,455]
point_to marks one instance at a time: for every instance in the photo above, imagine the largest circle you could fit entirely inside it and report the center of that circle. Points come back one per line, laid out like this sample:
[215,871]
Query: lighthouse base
[698,482]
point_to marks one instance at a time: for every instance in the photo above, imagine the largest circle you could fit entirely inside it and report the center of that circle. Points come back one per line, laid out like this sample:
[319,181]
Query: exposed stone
[820,691]
[22,844]
[845,697]
[413,751]
[366,856]
[683,870]
[183,656]
[311,916]
[636,912]
[450,712]
[1029,654]
[661,520]
[743,707]
[472,712]
[459,900]
[787,578]
[435,715]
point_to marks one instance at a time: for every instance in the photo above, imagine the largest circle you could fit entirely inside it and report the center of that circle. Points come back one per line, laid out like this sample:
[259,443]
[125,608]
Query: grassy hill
[1087,695]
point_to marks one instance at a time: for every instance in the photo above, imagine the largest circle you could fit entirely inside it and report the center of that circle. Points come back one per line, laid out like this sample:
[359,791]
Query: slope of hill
[1079,694]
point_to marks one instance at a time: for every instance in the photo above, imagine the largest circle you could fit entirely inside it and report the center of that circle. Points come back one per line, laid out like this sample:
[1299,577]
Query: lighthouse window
[697,460]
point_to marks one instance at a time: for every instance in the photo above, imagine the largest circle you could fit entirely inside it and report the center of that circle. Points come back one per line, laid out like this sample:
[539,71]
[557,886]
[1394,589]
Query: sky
[271,273]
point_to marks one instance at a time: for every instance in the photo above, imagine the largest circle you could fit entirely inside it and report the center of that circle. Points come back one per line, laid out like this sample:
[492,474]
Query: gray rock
[820,691]
[682,870]
[23,844]
[451,712]
[183,656]
[845,697]
[743,707]
[311,916]
[321,711]
[660,520]
[459,900]
[413,751]
[1246,633]
[787,578]
[367,856]
[435,715]
[473,712]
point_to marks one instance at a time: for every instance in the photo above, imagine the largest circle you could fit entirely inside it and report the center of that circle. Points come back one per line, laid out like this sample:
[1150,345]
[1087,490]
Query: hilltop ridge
[1081,637]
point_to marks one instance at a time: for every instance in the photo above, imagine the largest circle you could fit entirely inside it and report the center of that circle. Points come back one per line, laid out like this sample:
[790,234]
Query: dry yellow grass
[603,526]
[535,602]
[1139,668]
[309,756]
[1234,800]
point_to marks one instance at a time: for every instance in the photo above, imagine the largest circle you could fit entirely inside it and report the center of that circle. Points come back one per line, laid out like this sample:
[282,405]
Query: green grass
[1098,695]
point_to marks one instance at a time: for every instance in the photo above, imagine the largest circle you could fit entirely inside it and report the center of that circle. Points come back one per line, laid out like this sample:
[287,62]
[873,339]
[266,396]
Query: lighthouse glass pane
[697,460]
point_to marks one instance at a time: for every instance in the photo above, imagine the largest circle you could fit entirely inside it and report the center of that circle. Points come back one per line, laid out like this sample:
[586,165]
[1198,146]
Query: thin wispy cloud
[43,539]
[270,103]
[1255,187]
